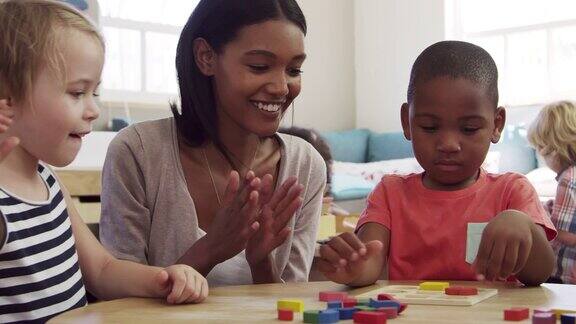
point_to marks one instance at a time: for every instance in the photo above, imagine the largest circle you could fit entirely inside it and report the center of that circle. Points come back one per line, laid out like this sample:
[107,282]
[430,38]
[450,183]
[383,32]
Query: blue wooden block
[328,316]
[347,313]
[384,303]
[334,304]
[568,319]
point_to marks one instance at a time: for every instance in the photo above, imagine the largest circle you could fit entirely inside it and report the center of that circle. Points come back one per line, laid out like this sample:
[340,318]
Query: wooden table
[257,304]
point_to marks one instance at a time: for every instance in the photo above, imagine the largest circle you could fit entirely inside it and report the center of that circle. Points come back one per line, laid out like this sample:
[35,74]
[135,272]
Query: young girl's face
[257,75]
[52,126]
[554,162]
[451,123]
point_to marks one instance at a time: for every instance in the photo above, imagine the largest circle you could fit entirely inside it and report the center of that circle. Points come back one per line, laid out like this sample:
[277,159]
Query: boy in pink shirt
[416,226]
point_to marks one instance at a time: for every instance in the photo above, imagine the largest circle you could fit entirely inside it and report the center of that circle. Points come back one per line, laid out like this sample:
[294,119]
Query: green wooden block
[363,308]
[363,302]
[311,316]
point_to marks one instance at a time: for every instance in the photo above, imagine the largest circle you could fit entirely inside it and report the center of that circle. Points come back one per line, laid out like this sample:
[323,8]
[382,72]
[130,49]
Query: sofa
[362,156]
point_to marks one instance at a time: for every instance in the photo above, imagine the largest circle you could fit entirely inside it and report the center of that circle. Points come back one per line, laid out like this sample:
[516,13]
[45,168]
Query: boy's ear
[204,56]
[405,117]
[499,122]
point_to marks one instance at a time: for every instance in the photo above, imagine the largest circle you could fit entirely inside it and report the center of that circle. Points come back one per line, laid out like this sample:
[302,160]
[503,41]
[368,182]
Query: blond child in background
[553,135]
[51,59]
[416,225]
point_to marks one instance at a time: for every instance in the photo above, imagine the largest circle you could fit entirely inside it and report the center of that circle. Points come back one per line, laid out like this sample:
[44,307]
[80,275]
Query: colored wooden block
[402,308]
[369,318]
[544,318]
[294,305]
[362,308]
[385,297]
[461,291]
[349,302]
[568,319]
[311,316]
[516,314]
[328,316]
[334,304]
[363,301]
[384,303]
[559,312]
[434,285]
[327,296]
[285,315]
[542,310]
[347,313]
[391,312]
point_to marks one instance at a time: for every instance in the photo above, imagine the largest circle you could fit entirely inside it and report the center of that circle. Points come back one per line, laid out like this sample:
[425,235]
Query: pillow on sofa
[346,186]
[388,146]
[348,146]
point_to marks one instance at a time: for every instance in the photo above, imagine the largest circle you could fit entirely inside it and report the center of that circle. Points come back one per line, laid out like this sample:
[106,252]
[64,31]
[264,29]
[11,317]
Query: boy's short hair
[29,36]
[554,131]
[455,59]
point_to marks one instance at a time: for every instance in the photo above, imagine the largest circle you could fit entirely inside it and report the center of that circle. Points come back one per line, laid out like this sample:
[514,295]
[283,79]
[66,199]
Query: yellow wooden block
[559,312]
[434,285]
[326,227]
[294,305]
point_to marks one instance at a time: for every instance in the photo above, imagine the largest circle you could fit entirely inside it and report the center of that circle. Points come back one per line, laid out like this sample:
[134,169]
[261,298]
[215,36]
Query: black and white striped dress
[39,270]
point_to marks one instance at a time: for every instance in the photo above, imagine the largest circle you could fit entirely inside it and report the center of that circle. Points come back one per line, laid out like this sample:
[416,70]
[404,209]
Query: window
[532,41]
[141,39]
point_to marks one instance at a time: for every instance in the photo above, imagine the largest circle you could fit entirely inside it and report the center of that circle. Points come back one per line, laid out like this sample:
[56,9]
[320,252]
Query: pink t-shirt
[428,227]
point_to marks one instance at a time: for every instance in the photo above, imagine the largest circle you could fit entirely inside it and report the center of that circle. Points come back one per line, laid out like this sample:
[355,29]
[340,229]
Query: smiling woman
[216,187]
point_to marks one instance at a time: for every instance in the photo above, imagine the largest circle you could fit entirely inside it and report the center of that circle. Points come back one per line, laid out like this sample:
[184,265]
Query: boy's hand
[181,284]
[342,259]
[6,115]
[505,246]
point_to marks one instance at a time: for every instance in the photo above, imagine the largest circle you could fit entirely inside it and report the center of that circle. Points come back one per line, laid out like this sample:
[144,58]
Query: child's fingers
[178,286]
[352,240]
[332,256]
[162,279]
[266,190]
[280,237]
[483,255]
[495,261]
[523,254]
[343,249]
[325,267]
[190,292]
[284,217]
[510,259]
[292,194]
[203,292]
[249,211]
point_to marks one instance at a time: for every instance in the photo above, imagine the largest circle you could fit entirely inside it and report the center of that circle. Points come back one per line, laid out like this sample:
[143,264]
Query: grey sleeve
[125,218]
[306,225]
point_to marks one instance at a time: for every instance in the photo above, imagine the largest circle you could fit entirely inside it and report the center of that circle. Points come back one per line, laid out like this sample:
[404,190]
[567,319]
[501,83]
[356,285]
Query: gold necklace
[212,177]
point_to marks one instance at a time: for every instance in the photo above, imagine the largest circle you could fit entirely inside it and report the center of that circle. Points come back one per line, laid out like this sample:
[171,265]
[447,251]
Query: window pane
[477,16]
[169,12]
[563,60]
[160,62]
[122,70]
[527,67]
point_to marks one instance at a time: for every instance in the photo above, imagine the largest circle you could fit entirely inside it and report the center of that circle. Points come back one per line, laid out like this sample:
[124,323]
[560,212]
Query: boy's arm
[564,237]
[540,262]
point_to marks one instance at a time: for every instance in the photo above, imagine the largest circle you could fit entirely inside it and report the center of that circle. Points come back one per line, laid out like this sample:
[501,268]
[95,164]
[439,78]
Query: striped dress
[39,271]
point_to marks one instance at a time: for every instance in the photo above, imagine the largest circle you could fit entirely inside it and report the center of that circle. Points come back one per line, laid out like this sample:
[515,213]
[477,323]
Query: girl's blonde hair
[554,131]
[30,31]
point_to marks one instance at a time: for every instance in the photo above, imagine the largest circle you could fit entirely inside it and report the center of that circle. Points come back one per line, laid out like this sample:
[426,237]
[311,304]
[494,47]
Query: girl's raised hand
[8,144]
[181,284]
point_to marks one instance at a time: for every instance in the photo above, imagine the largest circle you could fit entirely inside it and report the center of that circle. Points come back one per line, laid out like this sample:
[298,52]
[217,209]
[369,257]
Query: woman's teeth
[268,107]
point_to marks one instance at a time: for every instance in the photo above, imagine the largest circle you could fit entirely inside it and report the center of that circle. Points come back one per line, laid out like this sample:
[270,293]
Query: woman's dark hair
[218,22]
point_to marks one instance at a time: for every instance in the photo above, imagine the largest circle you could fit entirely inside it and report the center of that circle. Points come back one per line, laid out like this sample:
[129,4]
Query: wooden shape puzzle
[413,295]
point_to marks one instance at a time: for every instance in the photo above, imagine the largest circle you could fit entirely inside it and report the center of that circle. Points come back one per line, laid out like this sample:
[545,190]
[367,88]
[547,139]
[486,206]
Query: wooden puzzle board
[412,295]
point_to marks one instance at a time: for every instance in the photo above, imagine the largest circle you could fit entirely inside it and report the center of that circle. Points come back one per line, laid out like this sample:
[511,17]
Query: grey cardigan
[148,215]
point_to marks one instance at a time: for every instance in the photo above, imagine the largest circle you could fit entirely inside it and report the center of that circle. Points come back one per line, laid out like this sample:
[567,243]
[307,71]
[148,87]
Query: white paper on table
[473,238]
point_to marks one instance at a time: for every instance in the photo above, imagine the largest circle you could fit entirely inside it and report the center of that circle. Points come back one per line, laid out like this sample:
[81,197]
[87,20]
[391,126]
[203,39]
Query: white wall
[327,101]
[389,35]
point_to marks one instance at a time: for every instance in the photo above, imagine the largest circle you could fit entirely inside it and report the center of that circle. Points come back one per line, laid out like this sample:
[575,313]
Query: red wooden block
[370,318]
[516,314]
[402,308]
[452,291]
[332,296]
[285,315]
[391,312]
[349,302]
[385,297]
[461,291]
